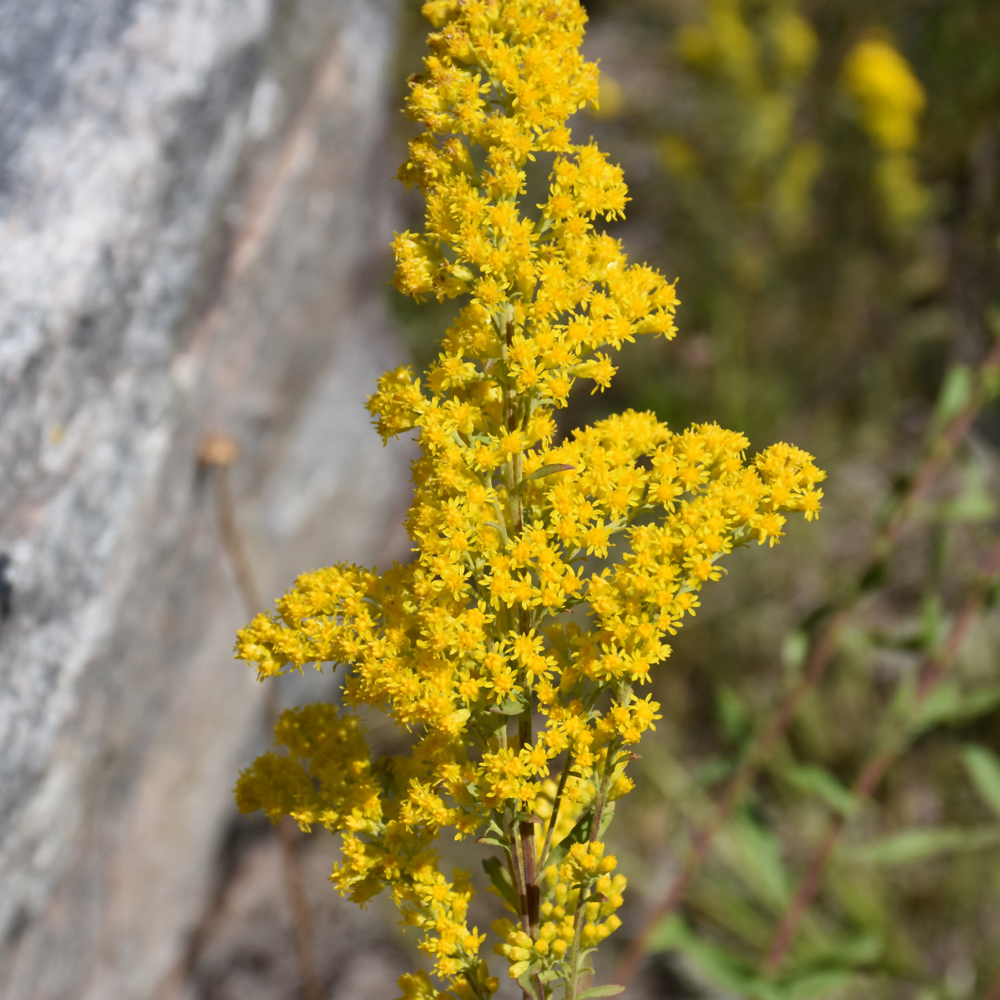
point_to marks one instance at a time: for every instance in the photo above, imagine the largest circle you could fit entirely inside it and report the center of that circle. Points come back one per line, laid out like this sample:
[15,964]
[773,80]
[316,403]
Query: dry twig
[218,453]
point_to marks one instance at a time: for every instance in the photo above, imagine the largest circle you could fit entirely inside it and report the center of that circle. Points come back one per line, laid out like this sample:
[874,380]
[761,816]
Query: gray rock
[192,214]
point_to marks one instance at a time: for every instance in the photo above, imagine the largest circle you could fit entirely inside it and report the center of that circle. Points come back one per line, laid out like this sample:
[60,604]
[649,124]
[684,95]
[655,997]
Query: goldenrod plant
[742,167]
[758,56]
[891,101]
[548,573]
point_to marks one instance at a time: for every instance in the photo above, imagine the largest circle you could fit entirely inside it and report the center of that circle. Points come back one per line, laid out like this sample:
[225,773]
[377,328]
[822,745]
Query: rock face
[192,211]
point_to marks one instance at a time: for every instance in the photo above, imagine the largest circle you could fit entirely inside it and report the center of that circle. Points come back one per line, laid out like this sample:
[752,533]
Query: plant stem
[526,835]
[574,953]
[218,455]
[556,805]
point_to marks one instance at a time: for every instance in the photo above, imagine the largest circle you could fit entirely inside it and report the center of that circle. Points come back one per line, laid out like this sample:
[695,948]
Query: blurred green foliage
[824,180]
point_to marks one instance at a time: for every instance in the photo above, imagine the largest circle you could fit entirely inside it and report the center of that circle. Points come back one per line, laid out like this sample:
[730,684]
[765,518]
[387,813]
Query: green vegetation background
[845,303]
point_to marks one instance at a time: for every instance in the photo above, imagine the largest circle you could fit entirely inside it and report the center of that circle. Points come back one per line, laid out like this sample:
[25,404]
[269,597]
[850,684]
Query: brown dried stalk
[218,452]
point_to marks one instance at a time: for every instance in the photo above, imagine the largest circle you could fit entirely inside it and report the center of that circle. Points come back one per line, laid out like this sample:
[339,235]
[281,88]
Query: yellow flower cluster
[512,608]
[760,53]
[891,97]
[727,44]
[891,100]
[580,904]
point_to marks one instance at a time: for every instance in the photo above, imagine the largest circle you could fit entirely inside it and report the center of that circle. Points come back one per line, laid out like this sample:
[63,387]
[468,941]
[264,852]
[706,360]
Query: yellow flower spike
[891,101]
[891,97]
[469,646]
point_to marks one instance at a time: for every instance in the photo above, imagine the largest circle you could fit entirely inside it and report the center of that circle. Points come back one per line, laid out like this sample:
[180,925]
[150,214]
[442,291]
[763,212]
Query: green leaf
[606,818]
[911,846]
[501,882]
[496,836]
[816,985]
[974,501]
[983,767]
[712,771]
[602,991]
[955,395]
[528,981]
[947,703]
[548,470]
[753,853]
[579,833]
[812,779]
[851,952]
[716,964]
[733,714]
[933,624]
[514,705]
[794,651]
[725,971]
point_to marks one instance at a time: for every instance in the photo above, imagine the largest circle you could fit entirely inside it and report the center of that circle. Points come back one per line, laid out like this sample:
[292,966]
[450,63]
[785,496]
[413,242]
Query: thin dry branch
[218,453]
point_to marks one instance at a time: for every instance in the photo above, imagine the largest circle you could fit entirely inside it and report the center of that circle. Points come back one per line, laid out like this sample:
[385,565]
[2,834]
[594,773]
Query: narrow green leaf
[974,502]
[602,991]
[911,846]
[493,842]
[514,705]
[811,779]
[794,650]
[956,392]
[732,713]
[851,952]
[816,985]
[528,981]
[548,470]
[721,968]
[501,881]
[579,833]
[984,771]
[606,818]
[753,853]
[947,703]
[545,470]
